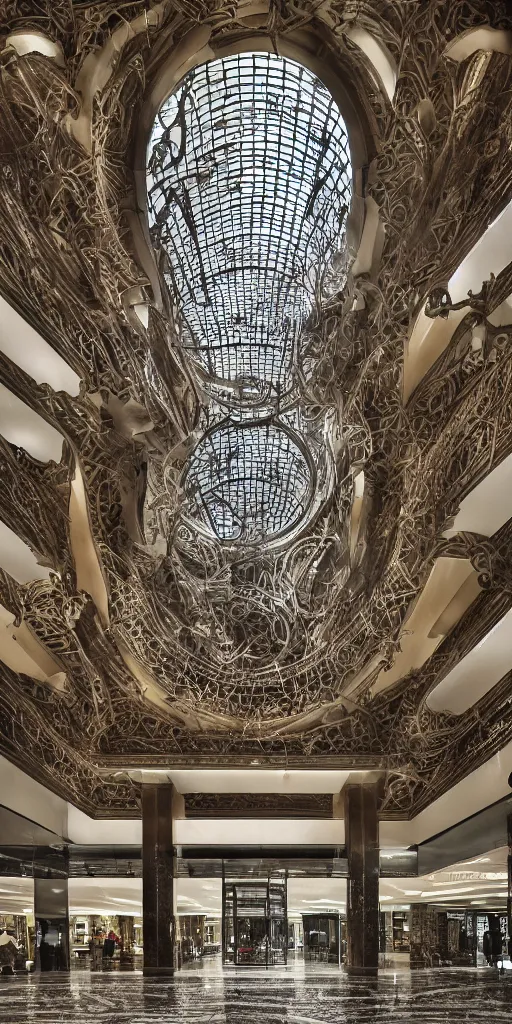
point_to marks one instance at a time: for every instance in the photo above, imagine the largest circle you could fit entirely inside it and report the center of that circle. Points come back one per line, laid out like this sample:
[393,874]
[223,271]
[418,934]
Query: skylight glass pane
[249,186]
[248,484]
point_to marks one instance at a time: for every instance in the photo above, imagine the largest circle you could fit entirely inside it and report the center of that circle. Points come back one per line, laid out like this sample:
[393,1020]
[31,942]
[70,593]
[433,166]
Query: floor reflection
[209,995]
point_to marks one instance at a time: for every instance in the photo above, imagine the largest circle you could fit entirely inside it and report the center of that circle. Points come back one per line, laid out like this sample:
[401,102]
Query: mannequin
[8,950]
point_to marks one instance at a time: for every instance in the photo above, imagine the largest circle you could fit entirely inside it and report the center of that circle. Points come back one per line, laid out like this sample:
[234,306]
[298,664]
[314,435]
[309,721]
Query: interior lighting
[453,892]
[488,896]
[488,876]
[117,899]
[320,901]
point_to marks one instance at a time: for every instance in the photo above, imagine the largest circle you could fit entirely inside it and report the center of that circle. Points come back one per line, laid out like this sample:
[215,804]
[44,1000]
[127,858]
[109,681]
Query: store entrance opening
[255,926]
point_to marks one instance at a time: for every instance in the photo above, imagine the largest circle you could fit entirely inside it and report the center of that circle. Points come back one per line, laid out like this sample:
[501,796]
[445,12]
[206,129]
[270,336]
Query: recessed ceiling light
[488,896]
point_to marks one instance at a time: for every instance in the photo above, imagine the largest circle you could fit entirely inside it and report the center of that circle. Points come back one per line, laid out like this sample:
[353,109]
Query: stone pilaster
[158,924]
[362,840]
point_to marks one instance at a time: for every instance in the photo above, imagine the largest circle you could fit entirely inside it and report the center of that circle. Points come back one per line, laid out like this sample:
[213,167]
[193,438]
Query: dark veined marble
[319,996]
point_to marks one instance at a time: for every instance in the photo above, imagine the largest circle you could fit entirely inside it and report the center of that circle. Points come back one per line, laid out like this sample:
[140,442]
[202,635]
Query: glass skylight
[249,185]
[248,483]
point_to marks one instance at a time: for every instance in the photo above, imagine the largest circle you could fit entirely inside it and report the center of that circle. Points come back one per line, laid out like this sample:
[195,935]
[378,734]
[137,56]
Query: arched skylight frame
[249,185]
[249,483]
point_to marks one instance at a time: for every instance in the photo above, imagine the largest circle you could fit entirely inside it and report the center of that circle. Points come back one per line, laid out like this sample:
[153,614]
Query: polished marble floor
[316,996]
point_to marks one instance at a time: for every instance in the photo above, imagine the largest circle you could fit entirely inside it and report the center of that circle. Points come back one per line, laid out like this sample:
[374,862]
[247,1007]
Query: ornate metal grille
[249,187]
[248,483]
[248,184]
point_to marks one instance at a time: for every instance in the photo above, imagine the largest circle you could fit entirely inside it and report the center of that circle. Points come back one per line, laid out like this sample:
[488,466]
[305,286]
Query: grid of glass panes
[249,186]
[248,483]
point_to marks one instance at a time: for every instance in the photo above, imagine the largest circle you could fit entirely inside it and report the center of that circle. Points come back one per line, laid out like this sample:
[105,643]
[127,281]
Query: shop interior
[267,922]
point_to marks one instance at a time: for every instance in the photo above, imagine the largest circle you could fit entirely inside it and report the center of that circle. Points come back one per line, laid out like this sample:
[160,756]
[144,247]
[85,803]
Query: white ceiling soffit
[23,427]
[481,881]
[430,337]
[477,673]
[488,506]
[17,559]
[35,42]
[450,589]
[89,574]
[378,55]
[310,895]
[485,510]
[22,652]
[482,38]
[25,347]
[502,315]
[247,780]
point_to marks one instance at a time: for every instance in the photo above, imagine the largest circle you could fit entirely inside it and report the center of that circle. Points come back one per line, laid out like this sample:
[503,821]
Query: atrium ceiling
[256,419]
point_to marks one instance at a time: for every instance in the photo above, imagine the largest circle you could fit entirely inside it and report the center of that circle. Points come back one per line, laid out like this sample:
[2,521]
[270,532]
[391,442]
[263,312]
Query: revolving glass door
[255,927]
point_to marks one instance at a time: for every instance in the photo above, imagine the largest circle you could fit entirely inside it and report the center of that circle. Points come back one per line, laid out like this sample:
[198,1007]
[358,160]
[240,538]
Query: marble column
[158,925]
[51,913]
[362,840]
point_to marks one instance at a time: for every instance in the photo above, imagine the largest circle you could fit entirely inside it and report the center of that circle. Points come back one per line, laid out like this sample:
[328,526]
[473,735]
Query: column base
[362,972]
[158,972]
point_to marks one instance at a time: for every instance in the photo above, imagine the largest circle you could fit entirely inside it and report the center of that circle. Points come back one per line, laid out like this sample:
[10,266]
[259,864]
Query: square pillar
[362,839]
[158,924]
[51,913]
